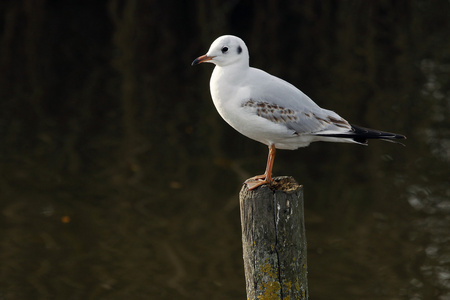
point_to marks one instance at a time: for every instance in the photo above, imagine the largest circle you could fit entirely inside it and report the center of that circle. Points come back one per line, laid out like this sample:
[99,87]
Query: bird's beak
[201,59]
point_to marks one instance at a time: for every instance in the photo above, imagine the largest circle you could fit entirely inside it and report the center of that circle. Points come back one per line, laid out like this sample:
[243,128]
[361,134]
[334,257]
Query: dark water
[120,181]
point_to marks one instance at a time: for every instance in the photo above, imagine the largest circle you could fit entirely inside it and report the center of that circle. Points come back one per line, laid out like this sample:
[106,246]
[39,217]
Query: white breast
[229,93]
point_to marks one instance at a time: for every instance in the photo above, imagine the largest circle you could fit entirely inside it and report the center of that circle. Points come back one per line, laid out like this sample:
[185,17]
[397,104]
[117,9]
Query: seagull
[270,110]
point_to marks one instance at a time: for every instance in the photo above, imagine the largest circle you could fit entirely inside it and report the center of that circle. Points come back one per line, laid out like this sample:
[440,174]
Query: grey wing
[280,102]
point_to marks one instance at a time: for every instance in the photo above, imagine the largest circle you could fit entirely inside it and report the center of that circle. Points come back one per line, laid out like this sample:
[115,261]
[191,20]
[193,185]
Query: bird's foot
[257,177]
[254,182]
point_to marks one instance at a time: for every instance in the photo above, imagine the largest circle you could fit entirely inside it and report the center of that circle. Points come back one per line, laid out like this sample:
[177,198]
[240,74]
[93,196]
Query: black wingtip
[361,135]
[375,134]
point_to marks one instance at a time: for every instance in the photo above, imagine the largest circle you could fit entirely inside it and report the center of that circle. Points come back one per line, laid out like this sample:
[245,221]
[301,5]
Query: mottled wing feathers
[301,122]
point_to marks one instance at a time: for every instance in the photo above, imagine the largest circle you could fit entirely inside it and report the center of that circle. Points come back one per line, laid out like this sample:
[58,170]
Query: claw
[256,178]
[253,184]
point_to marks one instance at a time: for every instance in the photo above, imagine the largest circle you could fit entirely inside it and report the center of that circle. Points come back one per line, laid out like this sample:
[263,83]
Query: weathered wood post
[274,241]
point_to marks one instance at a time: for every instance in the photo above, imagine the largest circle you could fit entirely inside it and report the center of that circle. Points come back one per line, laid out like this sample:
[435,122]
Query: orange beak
[201,59]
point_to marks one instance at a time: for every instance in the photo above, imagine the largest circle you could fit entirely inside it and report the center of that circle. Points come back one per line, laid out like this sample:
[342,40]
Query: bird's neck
[231,74]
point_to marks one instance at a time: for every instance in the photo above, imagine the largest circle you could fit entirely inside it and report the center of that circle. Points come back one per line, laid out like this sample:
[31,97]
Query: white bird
[270,110]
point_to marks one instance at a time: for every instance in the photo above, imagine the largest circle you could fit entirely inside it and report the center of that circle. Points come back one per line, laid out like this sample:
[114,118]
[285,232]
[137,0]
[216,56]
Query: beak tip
[195,62]
[201,59]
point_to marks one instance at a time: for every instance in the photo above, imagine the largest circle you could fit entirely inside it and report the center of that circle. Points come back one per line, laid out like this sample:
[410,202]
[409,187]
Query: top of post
[285,184]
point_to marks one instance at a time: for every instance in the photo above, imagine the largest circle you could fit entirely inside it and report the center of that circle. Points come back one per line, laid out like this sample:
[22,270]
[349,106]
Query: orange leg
[266,178]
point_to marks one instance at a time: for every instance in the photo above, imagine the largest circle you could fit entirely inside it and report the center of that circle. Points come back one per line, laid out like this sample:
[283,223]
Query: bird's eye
[224,49]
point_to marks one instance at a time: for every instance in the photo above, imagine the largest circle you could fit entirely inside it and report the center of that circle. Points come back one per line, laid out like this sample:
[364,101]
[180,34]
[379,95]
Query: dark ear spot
[239,49]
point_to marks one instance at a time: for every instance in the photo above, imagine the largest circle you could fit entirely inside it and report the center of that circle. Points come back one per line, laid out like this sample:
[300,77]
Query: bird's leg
[266,178]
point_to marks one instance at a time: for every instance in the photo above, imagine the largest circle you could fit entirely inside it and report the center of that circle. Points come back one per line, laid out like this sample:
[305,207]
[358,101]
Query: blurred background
[119,180]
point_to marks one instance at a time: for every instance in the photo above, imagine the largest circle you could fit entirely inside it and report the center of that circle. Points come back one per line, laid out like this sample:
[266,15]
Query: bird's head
[224,51]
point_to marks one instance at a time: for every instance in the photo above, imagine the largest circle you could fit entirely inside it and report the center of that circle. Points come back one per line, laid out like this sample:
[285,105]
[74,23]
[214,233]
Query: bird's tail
[361,135]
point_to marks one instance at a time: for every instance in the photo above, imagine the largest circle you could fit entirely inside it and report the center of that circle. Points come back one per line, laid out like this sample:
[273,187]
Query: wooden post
[274,241]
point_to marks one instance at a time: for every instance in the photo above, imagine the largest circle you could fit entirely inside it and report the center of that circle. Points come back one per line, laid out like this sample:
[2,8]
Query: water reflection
[430,196]
[430,230]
